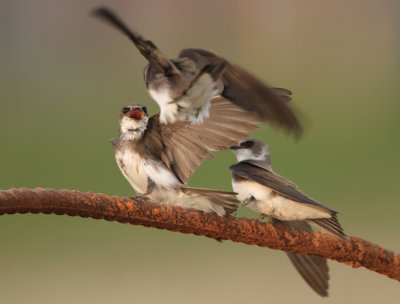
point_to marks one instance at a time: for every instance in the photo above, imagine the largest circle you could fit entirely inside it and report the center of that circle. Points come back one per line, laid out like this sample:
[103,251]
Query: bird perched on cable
[264,191]
[183,87]
[158,159]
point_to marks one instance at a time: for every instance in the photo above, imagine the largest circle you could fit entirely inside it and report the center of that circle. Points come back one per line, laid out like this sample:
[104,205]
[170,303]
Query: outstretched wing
[160,63]
[314,270]
[183,146]
[248,92]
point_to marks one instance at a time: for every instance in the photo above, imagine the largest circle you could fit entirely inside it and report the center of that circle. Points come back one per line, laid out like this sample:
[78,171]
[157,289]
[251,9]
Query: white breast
[137,171]
[168,111]
[194,104]
[131,167]
[246,188]
[278,206]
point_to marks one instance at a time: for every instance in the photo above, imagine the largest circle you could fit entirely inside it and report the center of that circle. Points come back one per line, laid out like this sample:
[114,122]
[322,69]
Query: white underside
[168,111]
[194,104]
[276,205]
[175,197]
[137,171]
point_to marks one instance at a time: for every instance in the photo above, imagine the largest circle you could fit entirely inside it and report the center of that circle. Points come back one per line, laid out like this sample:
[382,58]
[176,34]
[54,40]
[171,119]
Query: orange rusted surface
[353,251]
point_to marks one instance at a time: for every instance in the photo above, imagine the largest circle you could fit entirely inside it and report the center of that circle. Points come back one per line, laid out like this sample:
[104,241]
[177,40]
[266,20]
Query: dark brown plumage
[248,92]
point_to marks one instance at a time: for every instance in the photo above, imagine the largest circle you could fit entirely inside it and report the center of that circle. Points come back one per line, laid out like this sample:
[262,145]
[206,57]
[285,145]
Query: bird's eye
[247,144]
[144,109]
[125,110]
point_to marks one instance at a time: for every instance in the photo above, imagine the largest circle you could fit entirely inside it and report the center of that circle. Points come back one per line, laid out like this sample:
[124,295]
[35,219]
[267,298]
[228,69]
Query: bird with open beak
[158,159]
[183,87]
[264,191]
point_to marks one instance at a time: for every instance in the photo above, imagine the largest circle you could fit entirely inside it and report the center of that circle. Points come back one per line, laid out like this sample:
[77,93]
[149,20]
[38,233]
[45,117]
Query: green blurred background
[64,77]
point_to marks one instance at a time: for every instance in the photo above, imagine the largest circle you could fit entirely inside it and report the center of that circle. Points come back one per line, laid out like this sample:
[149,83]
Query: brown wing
[330,224]
[274,182]
[289,190]
[314,270]
[160,63]
[249,93]
[183,145]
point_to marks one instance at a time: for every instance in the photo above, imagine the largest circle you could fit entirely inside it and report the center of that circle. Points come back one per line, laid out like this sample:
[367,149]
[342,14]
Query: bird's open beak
[235,147]
[136,114]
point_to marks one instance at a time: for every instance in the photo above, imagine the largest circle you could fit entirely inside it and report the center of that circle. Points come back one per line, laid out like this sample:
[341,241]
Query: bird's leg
[150,187]
[262,216]
[246,201]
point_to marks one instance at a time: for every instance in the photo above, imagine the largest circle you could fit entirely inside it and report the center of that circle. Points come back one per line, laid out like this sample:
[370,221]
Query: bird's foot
[246,201]
[142,197]
[262,216]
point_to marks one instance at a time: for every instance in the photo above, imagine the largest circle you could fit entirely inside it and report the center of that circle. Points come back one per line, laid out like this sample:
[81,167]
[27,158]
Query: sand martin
[183,87]
[158,159]
[264,191]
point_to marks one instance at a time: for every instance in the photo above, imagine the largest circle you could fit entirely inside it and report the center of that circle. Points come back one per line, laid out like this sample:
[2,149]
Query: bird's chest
[245,188]
[263,199]
[132,167]
[140,170]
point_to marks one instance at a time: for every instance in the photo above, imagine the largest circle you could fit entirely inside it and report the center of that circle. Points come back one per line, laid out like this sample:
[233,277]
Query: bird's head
[251,149]
[133,120]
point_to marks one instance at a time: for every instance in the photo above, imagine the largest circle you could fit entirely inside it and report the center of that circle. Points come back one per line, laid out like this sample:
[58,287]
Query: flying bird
[158,159]
[264,191]
[183,87]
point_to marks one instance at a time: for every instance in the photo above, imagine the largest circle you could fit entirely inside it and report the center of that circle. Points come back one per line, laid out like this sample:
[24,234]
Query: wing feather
[248,92]
[275,182]
[314,270]
[182,146]
[217,197]
[289,190]
[329,224]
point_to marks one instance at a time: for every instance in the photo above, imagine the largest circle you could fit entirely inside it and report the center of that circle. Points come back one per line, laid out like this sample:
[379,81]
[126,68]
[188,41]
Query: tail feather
[217,198]
[314,270]
[330,225]
[204,190]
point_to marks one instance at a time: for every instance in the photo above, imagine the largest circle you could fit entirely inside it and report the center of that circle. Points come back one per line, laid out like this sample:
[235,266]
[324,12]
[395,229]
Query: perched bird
[158,159]
[183,87]
[264,191]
